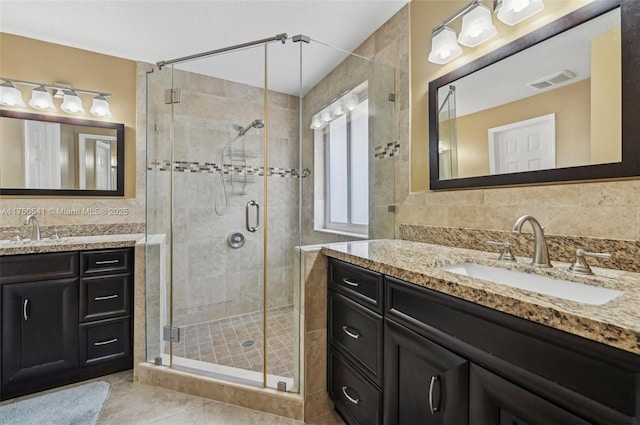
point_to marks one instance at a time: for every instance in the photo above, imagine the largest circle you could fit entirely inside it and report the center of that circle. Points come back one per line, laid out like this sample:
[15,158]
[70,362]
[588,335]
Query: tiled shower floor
[228,342]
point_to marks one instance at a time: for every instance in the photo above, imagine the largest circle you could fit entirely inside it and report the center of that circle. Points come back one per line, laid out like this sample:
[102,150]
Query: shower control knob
[236,240]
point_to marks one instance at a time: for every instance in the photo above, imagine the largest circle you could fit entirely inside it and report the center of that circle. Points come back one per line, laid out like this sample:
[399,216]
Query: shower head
[255,124]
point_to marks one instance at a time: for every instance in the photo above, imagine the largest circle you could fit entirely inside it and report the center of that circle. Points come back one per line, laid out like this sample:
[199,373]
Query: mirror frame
[119,128]
[630,164]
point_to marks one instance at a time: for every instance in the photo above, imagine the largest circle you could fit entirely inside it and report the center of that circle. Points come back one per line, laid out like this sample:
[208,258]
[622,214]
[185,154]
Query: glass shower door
[207,182]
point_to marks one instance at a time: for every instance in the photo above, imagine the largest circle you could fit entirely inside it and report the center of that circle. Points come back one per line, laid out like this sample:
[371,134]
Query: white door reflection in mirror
[103,165]
[42,155]
[523,146]
[94,161]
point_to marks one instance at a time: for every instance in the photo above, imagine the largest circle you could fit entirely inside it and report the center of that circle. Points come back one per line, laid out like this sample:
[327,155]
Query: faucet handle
[580,266]
[16,235]
[56,233]
[506,254]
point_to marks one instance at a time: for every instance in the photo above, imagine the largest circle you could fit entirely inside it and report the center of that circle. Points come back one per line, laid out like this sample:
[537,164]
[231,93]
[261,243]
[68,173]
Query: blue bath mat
[74,406]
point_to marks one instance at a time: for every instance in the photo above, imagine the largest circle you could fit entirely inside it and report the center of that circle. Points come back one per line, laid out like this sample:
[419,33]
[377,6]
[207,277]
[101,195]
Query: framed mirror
[47,155]
[559,104]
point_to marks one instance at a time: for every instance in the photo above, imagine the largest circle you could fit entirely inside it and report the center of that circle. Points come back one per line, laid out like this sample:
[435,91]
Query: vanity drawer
[361,285]
[106,261]
[105,340]
[357,333]
[358,399]
[35,267]
[104,297]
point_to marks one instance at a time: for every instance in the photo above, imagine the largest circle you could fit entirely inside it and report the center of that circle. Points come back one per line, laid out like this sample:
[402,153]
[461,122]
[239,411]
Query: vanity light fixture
[10,95]
[477,26]
[338,107]
[42,97]
[512,12]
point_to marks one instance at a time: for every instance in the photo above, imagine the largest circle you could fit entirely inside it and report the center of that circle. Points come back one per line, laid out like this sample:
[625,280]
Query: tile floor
[132,403]
[227,342]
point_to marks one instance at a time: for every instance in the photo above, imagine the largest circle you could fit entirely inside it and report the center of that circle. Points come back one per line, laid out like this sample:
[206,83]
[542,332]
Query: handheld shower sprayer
[255,124]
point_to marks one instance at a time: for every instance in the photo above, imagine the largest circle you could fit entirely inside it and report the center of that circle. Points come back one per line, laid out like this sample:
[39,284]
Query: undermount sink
[565,289]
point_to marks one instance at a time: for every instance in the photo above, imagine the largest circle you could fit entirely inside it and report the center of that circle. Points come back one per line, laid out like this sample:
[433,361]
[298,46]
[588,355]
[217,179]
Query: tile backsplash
[625,254]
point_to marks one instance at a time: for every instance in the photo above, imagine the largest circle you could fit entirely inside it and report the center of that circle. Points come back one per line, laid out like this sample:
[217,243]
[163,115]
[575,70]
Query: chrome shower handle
[247,209]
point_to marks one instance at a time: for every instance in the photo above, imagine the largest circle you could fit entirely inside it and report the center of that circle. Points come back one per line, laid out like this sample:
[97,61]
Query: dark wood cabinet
[496,401]
[39,332]
[357,399]
[66,317]
[450,361]
[424,382]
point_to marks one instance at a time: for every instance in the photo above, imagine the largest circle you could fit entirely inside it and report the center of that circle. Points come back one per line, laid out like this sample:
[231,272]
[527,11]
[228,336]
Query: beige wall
[606,97]
[586,209]
[569,103]
[11,153]
[38,61]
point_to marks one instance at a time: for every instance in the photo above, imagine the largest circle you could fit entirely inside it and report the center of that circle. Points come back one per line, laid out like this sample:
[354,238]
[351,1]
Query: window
[343,167]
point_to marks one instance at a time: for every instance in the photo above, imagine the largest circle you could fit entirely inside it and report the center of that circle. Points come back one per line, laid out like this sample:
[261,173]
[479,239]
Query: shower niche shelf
[238,172]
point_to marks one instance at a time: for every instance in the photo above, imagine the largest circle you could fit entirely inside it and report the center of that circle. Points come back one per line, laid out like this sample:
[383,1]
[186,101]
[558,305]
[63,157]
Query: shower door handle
[247,209]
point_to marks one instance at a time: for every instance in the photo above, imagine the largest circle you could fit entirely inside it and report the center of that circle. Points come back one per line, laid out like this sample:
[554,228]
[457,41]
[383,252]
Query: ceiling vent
[552,80]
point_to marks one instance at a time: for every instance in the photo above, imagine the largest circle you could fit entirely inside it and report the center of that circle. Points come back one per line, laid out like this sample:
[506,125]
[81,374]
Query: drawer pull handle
[100,263]
[433,408]
[111,341]
[351,399]
[350,282]
[25,307]
[354,335]
[106,297]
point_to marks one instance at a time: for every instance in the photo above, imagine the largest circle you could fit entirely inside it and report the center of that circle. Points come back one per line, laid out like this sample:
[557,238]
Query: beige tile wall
[599,210]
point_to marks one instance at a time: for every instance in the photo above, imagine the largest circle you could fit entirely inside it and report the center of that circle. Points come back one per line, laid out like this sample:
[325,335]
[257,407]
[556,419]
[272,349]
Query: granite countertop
[73,243]
[616,323]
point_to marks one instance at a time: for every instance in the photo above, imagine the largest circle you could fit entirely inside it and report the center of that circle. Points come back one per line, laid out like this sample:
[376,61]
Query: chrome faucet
[540,250]
[35,231]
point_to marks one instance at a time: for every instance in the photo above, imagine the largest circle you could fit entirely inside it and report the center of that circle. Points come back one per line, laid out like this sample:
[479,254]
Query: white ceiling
[156,30]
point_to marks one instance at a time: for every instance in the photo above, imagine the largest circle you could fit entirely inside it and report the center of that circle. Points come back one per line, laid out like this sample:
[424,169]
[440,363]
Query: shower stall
[233,194]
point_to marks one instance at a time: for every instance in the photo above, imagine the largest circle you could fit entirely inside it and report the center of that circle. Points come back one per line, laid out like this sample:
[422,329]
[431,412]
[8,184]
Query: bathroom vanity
[410,343]
[66,315]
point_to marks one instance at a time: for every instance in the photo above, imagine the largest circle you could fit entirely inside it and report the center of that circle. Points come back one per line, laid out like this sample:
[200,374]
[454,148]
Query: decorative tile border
[389,150]
[212,168]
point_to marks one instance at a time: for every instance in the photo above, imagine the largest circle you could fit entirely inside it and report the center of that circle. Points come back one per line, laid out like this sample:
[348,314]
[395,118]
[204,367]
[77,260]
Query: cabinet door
[423,383]
[39,332]
[496,401]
